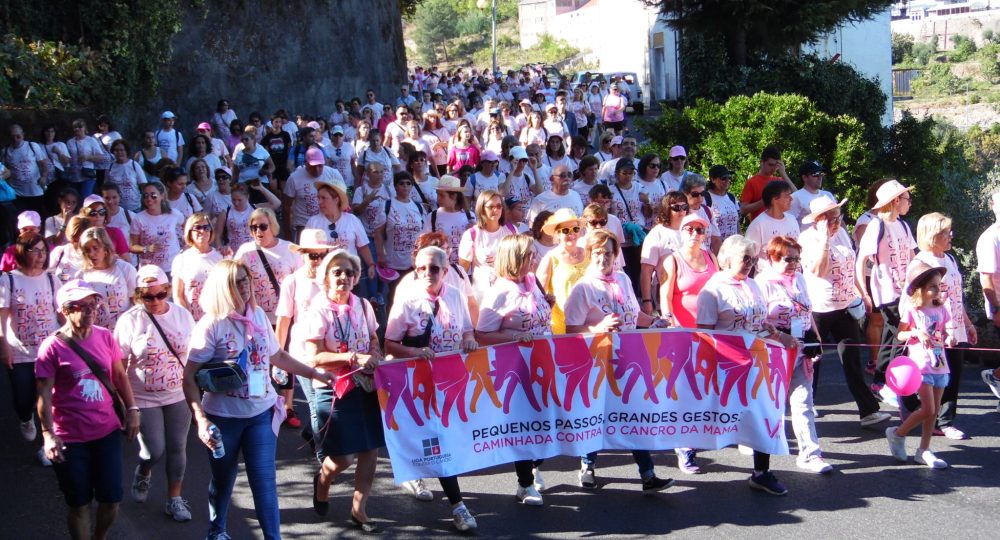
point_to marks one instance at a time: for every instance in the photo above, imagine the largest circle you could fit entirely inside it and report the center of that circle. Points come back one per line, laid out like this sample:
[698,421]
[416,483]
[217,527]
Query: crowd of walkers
[206,281]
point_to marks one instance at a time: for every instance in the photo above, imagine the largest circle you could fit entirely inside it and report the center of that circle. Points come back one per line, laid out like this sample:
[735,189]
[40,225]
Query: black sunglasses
[162,295]
[94,213]
[316,256]
[682,207]
[598,222]
[333,231]
[262,227]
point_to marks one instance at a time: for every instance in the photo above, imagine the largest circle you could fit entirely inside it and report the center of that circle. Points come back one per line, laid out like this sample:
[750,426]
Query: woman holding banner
[340,335]
[514,309]
[603,301]
[432,321]
[730,301]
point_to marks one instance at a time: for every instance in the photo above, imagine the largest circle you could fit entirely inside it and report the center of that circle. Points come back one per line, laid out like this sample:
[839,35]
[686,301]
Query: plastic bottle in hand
[220,450]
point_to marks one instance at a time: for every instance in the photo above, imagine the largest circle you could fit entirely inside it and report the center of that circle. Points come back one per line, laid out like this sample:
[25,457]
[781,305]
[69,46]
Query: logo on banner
[432,447]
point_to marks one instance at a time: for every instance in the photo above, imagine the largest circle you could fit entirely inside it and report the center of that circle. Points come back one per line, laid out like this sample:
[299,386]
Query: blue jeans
[86,187]
[305,384]
[642,459]
[253,438]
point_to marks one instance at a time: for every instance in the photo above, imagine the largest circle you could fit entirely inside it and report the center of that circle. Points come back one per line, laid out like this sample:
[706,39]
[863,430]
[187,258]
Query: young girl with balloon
[925,372]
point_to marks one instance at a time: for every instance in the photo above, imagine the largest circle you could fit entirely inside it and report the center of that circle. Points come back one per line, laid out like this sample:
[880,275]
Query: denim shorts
[936,380]
[92,470]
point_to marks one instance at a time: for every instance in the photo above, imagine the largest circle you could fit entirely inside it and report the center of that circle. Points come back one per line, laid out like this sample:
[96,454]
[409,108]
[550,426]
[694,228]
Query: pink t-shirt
[457,157]
[891,256]
[512,306]
[593,298]
[409,318]
[930,319]
[614,108]
[689,283]
[81,407]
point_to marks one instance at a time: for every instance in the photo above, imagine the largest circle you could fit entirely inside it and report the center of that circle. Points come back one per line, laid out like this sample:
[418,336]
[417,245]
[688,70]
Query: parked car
[633,90]
[585,78]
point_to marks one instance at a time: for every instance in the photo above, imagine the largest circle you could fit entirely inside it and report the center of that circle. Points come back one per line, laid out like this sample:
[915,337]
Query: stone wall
[261,56]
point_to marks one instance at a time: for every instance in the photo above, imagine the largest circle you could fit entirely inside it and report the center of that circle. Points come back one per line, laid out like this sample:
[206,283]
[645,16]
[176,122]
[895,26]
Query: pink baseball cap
[73,291]
[28,218]
[204,126]
[150,275]
[489,155]
[93,199]
[314,124]
[678,151]
[314,156]
[691,219]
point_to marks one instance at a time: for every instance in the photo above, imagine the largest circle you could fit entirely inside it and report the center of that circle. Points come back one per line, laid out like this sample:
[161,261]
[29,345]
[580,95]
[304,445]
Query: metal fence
[901,79]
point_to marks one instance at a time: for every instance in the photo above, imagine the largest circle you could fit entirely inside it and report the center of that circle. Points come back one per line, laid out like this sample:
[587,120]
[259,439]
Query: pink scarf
[246,319]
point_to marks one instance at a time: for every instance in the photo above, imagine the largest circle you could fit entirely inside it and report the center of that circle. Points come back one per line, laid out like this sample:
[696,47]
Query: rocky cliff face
[299,55]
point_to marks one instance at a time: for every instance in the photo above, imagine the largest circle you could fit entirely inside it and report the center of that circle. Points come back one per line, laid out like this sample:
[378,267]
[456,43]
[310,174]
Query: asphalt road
[868,496]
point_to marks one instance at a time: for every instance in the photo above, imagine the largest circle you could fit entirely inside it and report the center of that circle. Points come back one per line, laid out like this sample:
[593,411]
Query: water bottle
[280,376]
[216,435]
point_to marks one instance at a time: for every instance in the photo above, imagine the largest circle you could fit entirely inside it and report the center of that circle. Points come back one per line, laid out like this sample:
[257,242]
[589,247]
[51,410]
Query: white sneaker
[43,459]
[418,489]
[888,396]
[529,496]
[463,519]
[876,417]
[991,382]
[178,509]
[897,444]
[745,450]
[814,464]
[28,430]
[928,458]
[140,485]
[539,481]
[954,433]
[588,478]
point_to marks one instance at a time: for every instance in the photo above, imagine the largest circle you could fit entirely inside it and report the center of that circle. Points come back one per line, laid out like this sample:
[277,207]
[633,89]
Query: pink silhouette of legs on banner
[394,381]
[632,358]
[510,368]
[706,361]
[575,362]
[543,370]
[451,378]
[602,351]
[478,365]
[732,355]
[423,386]
[780,370]
[677,347]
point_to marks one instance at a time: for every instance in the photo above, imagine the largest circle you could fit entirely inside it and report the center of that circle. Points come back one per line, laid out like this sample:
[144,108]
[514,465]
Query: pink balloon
[903,376]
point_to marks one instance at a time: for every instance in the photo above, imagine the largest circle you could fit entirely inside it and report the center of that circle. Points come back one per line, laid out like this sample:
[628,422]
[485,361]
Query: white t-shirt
[301,188]
[479,183]
[163,231]
[384,156]
[23,164]
[453,224]
[237,226]
[127,176]
[725,215]
[33,312]
[835,289]
[512,306]
[593,298]
[787,300]
[729,304]
[656,190]
[155,374]
[892,255]
[404,223]
[988,257]
[374,215]
[186,204]
[620,197]
[251,163]
[221,339]
[342,158]
[66,262]
[116,285]
[283,261]
[297,292]
[659,244]
[168,142]
[192,267]
[548,200]
[210,159]
[79,148]
[518,187]
[325,323]
[479,247]
[349,232]
[950,294]
[455,277]
[606,173]
[800,203]
[428,188]
[409,317]
[217,203]
[764,227]
[203,197]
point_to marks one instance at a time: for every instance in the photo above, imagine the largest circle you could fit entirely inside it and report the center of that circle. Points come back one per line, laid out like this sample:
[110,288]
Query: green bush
[734,134]
[49,74]
[938,80]
[902,47]
[965,48]
[922,52]
[473,23]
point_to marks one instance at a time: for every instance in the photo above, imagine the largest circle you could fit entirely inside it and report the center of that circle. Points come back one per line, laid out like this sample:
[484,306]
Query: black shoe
[656,484]
[320,507]
[367,527]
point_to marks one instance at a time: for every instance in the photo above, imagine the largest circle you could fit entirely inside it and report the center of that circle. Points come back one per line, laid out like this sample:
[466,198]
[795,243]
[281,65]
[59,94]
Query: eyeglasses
[262,227]
[37,251]
[747,259]
[678,158]
[834,219]
[817,175]
[405,183]
[598,222]
[89,307]
[695,230]
[791,259]
[101,212]
[429,269]
[204,227]
[682,207]
[316,256]
[566,230]
[494,207]
[345,272]
[905,197]
[153,196]
[697,194]
[563,175]
[654,165]
[162,295]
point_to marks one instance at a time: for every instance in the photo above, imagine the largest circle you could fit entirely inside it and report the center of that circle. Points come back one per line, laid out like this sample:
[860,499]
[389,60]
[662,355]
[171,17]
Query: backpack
[177,137]
[881,231]
[388,206]
[52,289]
[708,198]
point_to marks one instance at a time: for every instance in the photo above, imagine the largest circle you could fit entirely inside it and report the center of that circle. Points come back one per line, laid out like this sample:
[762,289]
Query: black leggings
[451,489]
[889,346]
[838,327]
[761,461]
[525,474]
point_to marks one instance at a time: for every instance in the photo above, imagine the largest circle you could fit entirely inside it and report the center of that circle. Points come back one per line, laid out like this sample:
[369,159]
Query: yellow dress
[563,277]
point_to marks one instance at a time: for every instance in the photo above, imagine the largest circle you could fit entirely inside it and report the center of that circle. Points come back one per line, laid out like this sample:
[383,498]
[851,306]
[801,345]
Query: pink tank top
[689,284]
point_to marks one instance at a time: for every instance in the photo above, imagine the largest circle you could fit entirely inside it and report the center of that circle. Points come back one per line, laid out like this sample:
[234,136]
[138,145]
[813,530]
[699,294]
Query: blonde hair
[513,254]
[220,296]
[272,219]
[929,226]
[600,237]
[734,247]
[98,234]
[596,211]
[193,220]
[484,198]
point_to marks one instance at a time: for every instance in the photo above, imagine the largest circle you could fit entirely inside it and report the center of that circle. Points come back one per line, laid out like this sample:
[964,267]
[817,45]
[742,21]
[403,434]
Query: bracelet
[644,300]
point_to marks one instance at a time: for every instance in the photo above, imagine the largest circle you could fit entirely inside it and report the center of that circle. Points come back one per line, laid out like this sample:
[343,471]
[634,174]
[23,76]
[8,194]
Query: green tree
[902,47]
[751,29]
[434,24]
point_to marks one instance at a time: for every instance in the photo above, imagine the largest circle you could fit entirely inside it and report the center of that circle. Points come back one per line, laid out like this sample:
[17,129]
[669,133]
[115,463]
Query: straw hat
[339,188]
[563,216]
[312,239]
[450,183]
[888,192]
[820,206]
